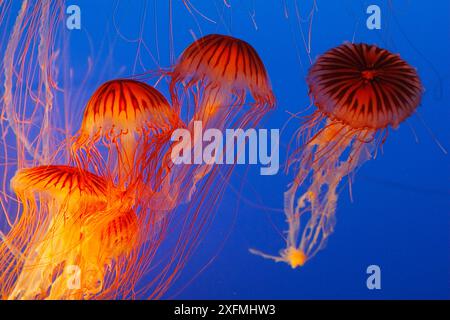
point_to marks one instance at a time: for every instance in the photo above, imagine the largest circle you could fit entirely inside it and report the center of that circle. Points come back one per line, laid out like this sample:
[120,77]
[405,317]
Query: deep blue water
[399,217]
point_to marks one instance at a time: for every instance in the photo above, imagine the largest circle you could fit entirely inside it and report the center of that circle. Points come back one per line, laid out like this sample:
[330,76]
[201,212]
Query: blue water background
[399,217]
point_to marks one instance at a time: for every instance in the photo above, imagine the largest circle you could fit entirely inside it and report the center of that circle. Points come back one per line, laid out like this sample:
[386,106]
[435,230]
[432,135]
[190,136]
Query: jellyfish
[208,85]
[211,78]
[220,69]
[71,220]
[360,91]
[128,117]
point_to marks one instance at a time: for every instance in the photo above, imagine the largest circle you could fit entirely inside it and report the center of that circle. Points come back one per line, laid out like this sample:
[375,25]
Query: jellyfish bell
[364,86]
[61,182]
[223,68]
[124,105]
[62,192]
[360,91]
[225,59]
[125,115]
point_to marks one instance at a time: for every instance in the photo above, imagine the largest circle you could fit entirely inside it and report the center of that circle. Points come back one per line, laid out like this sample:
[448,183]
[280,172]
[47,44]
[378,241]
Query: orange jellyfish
[219,70]
[360,91]
[127,117]
[72,238]
[211,79]
[134,122]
